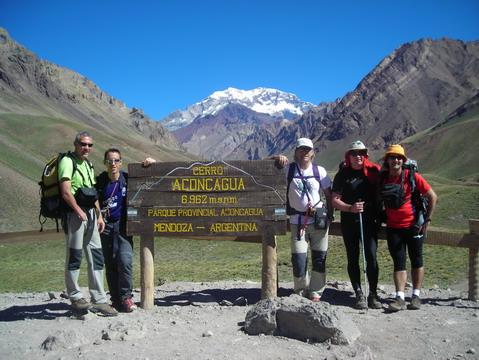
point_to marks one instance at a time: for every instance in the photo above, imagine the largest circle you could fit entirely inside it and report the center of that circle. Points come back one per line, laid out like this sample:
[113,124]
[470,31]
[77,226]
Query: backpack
[292,168]
[419,202]
[392,195]
[51,203]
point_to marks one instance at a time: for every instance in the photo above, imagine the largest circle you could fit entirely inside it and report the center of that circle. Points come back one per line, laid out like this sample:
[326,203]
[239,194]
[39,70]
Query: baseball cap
[304,142]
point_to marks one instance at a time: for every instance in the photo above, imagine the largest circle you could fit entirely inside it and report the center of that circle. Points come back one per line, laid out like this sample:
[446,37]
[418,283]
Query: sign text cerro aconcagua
[217,198]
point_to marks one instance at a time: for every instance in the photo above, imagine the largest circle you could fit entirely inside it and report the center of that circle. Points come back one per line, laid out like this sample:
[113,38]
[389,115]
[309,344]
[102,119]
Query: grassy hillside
[449,149]
[27,142]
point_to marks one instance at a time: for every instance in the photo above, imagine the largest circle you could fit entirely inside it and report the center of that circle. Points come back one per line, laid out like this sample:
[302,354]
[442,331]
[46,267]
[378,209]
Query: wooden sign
[213,199]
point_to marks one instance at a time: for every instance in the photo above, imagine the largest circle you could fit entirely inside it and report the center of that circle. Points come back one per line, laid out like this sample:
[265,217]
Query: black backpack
[392,195]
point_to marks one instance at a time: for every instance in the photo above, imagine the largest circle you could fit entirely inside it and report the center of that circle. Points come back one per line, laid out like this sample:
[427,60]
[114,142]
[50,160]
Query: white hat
[357,145]
[304,142]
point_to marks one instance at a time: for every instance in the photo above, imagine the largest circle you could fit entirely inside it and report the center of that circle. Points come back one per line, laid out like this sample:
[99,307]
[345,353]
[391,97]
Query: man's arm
[100,221]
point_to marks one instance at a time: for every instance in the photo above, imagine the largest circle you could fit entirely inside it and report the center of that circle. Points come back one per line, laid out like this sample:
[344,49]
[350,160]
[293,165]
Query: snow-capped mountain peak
[263,100]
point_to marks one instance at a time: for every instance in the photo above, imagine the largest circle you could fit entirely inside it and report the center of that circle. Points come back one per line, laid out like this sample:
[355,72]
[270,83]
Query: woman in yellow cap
[396,193]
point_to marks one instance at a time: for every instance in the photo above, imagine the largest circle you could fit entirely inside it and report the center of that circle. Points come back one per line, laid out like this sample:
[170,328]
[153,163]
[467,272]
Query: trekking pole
[364,252]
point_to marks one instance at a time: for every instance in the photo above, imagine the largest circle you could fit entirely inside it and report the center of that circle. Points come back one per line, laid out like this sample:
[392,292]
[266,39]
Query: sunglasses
[112,161]
[397,157]
[356,153]
[83,144]
[304,148]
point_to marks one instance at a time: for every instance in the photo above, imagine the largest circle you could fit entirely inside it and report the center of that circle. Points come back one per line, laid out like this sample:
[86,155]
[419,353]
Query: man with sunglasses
[400,221]
[82,224]
[117,246]
[354,194]
[305,182]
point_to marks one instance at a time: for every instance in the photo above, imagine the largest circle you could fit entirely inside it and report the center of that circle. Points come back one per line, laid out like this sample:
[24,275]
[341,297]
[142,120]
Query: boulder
[299,318]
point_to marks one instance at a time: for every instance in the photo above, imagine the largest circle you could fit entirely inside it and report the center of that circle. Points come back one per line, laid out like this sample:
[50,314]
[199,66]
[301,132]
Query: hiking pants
[83,237]
[318,239]
[398,239]
[118,253]
[351,231]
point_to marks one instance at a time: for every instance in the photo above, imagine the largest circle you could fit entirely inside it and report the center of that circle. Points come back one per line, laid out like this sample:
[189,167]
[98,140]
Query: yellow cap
[395,150]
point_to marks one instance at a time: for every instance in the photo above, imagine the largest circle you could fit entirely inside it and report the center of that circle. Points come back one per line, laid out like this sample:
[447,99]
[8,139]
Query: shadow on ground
[236,296]
[49,311]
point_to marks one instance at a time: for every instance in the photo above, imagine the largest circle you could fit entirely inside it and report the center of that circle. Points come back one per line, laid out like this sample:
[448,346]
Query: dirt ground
[205,320]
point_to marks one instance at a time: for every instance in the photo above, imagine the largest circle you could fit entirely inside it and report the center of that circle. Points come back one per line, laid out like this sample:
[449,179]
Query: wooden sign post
[234,200]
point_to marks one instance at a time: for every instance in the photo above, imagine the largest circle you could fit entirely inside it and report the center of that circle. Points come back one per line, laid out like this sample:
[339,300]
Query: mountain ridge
[413,88]
[276,103]
[38,87]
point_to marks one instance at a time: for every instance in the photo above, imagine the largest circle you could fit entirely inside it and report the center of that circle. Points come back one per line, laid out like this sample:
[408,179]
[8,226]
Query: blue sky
[161,56]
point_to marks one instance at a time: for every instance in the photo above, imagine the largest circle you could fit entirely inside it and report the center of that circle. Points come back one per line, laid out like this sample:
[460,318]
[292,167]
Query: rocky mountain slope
[412,89]
[42,107]
[275,103]
[31,86]
[217,127]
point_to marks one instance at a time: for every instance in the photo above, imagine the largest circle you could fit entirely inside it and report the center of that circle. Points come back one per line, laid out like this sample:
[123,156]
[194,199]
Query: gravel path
[204,321]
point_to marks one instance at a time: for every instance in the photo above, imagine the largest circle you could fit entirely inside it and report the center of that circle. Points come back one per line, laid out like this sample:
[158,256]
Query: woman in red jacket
[355,195]
[401,230]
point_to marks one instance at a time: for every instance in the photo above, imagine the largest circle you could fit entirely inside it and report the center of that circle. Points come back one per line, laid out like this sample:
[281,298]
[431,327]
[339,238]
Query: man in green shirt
[83,224]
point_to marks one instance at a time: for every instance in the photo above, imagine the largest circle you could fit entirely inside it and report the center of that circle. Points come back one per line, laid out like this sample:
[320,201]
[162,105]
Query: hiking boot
[360,303]
[397,305]
[129,305]
[103,309]
[415,303]
[314,296]
[373,302]
[80,305]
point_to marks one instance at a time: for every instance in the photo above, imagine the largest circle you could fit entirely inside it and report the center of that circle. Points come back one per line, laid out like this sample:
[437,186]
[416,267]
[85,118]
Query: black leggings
[352,238]
[398,239]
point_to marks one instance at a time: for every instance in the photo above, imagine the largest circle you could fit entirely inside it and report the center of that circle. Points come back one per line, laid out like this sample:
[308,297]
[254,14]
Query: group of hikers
[95,223]
[366,195]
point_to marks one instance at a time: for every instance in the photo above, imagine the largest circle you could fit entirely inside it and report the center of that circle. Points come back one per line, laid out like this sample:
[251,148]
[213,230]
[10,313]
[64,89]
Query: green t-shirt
[84,176]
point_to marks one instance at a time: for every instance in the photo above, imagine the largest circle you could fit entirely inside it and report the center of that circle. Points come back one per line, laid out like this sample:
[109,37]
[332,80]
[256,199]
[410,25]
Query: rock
[471,351]
[50,343]
[298,318]
[105,335]
[207,333]
[51,295]
[261,318]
